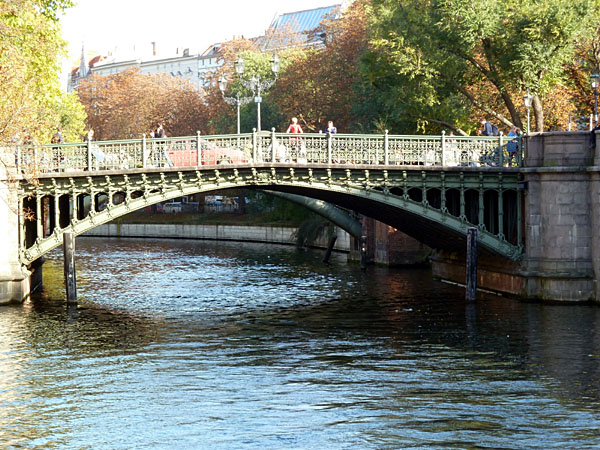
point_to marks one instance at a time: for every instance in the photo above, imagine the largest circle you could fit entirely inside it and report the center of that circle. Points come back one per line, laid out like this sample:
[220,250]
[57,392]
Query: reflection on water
[180,344]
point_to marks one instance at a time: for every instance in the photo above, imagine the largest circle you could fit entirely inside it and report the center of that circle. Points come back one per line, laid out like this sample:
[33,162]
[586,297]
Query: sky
[103,25]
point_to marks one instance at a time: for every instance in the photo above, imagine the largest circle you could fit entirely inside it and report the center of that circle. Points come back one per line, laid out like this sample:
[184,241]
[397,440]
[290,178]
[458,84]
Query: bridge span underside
[433,205]
[428,229]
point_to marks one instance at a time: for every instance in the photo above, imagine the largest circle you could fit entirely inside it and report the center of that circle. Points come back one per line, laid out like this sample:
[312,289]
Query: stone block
[570,290]
[584,265]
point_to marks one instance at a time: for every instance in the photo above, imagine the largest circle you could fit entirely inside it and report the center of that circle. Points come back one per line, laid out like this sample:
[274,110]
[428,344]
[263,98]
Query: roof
[301,22]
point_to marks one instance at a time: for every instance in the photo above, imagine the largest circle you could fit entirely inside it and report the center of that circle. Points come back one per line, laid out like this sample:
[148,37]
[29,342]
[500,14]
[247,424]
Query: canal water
[189,344]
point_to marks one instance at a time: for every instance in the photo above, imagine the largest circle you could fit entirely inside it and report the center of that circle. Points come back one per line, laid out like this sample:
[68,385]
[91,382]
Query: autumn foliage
[371,69]
[32,105]
[317,84]
[128,104]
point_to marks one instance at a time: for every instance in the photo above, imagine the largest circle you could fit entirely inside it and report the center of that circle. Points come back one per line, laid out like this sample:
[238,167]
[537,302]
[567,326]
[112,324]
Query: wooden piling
[69,257]
[471,292]
[330,248]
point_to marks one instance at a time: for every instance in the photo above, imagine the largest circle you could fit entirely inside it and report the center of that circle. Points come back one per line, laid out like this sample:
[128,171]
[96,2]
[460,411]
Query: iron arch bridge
[429,187]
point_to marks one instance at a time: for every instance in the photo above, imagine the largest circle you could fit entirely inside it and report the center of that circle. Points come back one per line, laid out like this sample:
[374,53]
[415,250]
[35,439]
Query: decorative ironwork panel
[268,147]
[305,148]
[231,149]
[415,150]
[450,199]
[358,149]
[116,155]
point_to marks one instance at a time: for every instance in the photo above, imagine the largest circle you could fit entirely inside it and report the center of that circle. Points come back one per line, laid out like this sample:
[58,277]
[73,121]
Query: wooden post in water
[471,292]
[330,248]
[69,256]
[363,252]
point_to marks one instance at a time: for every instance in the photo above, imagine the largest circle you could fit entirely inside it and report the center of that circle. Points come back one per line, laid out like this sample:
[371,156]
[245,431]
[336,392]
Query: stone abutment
[561,210]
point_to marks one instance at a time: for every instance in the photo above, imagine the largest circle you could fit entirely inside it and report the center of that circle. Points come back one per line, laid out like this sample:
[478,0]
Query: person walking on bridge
[294,127]
[330,128]
[295,143]
[160,132]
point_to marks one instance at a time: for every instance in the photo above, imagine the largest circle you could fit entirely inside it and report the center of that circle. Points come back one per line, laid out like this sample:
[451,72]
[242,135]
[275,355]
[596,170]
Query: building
[78,73]
[285,30]
[194,67]
[294,28]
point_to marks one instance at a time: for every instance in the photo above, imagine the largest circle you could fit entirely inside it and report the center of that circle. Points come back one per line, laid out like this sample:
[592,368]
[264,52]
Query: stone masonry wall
[276,235]
[388,246]
[561,216]
[14,278]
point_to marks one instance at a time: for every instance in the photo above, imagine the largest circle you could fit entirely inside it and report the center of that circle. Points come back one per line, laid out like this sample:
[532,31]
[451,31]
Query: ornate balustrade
[270,147]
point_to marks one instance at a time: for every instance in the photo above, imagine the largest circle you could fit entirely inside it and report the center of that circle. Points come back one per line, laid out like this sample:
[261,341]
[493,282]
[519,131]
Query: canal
[191,344]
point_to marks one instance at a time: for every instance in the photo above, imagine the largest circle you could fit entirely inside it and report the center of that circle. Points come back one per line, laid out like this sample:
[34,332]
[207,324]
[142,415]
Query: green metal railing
[271,147]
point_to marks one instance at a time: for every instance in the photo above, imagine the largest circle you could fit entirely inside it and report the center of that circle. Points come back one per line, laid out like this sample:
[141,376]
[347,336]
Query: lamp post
[256,84]
[237,100]
[594,77]
[527,99]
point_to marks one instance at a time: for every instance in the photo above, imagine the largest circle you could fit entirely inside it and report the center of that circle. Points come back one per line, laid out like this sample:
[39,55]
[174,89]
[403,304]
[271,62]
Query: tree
[223,116]
[71,117]
[442,60]
[579,69]
[128,104]
[318,84]
[30,51]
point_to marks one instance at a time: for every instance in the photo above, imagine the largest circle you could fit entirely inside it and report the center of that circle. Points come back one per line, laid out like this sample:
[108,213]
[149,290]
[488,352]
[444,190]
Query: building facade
[288,29]
[194,68]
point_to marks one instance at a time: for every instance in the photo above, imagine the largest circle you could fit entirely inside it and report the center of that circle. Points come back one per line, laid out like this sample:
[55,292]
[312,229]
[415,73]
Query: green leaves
[30,49]
[486,51]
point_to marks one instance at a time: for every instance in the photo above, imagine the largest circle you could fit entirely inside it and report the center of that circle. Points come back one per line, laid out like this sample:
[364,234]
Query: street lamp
[256,84]
[594,77]
[237,100]
[527,99]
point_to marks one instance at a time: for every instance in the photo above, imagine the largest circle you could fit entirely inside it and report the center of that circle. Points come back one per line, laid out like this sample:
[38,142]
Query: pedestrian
[160,132]
[513,145]
[295,143]
[487,129]
[165,146]
[330,128]
[57,138]
[294,127]
[95,150]
[592,141]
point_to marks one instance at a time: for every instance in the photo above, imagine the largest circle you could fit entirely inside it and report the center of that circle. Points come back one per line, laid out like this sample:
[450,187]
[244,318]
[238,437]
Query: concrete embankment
[267,234]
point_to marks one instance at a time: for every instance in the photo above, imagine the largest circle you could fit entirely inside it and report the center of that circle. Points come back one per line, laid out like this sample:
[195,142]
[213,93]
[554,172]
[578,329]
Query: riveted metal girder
[436,206]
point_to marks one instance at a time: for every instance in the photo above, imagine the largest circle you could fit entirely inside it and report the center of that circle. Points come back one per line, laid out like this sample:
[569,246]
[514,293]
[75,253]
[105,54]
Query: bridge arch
[434,206]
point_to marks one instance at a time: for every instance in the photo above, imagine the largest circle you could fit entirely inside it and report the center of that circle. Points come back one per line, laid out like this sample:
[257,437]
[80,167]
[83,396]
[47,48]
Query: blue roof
[303,21]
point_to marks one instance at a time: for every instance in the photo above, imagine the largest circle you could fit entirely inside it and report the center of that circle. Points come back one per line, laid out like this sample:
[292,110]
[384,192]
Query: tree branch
[476,102]
[446,124]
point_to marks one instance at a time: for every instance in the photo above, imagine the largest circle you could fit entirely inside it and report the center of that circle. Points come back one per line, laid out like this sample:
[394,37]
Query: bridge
[433,188]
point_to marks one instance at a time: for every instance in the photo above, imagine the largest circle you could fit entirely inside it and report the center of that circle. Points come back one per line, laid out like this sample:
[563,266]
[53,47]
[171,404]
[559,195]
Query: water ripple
[181,344]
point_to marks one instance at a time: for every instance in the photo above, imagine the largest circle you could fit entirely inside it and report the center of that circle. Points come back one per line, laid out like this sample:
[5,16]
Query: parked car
[172,207]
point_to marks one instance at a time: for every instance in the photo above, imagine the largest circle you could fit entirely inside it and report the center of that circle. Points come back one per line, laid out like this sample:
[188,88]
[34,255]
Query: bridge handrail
[270,147]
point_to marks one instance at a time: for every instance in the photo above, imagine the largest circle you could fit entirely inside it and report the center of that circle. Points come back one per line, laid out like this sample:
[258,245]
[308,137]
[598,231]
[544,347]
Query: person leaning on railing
[330,129]
[512,147]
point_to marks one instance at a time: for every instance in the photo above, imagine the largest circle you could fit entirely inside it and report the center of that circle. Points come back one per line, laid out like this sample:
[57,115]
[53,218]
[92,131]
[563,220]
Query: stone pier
[561,211]
[562,205]
[14,277]
[388,246]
